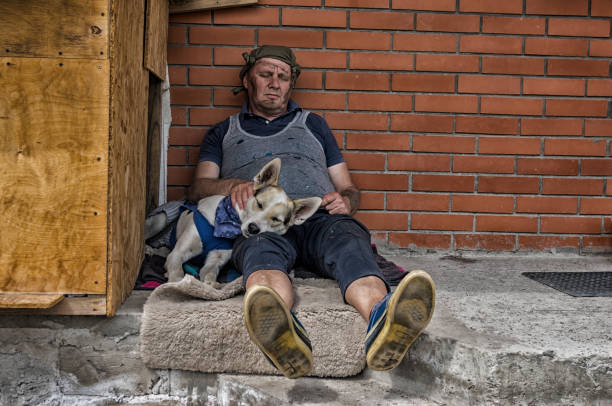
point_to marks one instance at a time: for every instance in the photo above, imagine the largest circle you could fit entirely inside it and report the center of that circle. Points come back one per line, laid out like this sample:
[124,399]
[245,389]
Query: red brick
[190,96]
[596,205]
[489,84]
[430,5]
[601,8]
[378,142]
[576,186]
[365,161]
[423,82]
[320,100]
[577,147]
[573,67]
[197,17]
[486,125]
[417,201]
[177,75]
[418,240]
[542,243]
[179,116]
[180,176]
[381,61]
[488,44]
[353,3]
[542,204]
[551,126]
[223,96]
[487,242]
[513,25]
[509,145]
[380,102]
[511,105]
[193,156]
[508,184]
[177,34]
[596,167]
[419,162]
[600,48]
[356,121]
[380,181]
[310,80]
[421,123]
[517,224]
[596,245]
[448,22]
[372,201]
[314,18]
[547,166]
[321,59]
[557,7]
[449,144]
[447,63]
[186,136]
[247,16]
[553,86]
[459,222]
[381,20]
[483,164]
[175,193]
[513,65]
[383,221]
[189,55]
[425,42]
[599,87]
[221,35]
[229,56]
[356,81]
[446,103]
[214,76]
[577,108]
[358,40]
[483,204]
[209,116]
[485,6]
[442,183]
[570,225]
[574,27]
[177,156]
[555,46]
[291,38]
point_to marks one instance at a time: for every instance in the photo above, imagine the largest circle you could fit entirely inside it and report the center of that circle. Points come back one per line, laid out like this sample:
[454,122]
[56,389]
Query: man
[331,242]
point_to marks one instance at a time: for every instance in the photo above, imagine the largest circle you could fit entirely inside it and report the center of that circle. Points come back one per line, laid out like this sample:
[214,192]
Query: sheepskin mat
[192,326]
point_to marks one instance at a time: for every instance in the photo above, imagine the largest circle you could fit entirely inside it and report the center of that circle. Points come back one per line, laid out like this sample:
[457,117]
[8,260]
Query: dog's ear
[304,208]
[268,175]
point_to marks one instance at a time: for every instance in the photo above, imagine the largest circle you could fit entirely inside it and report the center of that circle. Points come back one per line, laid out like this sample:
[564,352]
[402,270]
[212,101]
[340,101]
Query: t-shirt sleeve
[211,148]
[321,130]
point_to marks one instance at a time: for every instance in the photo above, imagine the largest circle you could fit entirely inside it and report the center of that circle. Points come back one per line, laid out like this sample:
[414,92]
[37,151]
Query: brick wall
[467,124]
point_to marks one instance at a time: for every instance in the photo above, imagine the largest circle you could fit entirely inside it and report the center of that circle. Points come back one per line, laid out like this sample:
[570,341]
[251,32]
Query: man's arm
[206,182]
[346,198]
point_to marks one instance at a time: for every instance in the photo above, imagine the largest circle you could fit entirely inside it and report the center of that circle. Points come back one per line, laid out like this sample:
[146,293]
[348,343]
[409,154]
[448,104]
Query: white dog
[269,209]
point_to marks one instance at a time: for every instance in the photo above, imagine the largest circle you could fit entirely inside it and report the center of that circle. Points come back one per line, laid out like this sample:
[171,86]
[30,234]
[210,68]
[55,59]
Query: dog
[268,210]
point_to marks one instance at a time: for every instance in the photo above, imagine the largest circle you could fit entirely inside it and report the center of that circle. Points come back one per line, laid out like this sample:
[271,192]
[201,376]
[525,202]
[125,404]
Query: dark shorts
[331,246]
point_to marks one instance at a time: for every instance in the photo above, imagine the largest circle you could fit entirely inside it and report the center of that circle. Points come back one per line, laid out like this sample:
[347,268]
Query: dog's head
[270,209]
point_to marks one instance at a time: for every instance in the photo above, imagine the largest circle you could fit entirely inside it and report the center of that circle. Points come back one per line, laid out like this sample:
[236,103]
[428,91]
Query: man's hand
[241,193]
[335,203]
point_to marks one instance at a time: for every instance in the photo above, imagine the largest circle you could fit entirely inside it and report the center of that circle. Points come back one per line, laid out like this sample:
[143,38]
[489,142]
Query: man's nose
[274,82]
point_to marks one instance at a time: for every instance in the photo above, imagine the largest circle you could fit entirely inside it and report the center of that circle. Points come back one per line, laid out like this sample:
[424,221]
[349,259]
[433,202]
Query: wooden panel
[53,175]
[156,38]
[29,300]
[90,306]
[182,6]
[128,149]
[54,28]
[154,143]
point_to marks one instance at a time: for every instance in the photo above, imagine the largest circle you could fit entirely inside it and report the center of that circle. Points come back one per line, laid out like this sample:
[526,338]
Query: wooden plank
[156,37]
[54,175]
[183,6]
[29,300]
[128,149]
[54,28]
[154,143]
[93,305]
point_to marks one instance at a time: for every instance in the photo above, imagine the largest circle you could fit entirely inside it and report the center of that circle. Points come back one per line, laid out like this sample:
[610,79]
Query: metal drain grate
[576,283]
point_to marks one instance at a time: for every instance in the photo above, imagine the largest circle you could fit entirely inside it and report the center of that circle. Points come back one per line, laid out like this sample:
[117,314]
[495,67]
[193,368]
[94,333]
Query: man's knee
[263,251]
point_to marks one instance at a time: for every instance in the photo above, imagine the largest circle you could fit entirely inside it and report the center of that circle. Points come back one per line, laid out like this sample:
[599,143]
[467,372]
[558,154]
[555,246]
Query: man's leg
[275,279]
[364,293]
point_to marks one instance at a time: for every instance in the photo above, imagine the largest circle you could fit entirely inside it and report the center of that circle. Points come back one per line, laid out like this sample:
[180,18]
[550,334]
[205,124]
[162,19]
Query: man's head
[269,75]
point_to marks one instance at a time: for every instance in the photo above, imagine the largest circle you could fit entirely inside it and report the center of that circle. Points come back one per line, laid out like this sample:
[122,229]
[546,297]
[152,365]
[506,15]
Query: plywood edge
[183,6]
[91,305]
[14,300]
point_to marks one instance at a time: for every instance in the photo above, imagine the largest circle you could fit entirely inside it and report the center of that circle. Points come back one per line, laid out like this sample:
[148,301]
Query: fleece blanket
[192,326]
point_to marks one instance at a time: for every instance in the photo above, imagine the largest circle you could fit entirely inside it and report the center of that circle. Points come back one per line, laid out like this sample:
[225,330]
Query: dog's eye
[276,219]
[259,204]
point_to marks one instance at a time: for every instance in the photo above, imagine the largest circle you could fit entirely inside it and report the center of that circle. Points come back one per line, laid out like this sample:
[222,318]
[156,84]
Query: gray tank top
[303,169]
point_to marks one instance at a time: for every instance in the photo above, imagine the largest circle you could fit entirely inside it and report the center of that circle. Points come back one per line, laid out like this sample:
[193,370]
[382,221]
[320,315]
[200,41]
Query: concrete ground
[496,338]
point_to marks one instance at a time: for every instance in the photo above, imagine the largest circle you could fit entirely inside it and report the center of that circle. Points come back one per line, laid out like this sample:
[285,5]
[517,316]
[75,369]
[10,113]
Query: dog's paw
[174,276]
[210,278]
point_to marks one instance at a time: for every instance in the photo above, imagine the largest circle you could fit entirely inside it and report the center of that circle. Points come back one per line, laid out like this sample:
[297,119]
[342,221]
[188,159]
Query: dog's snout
[253,228]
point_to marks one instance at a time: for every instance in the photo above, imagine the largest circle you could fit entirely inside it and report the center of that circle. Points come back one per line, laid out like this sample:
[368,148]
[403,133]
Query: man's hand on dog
[241,193]
[335,203]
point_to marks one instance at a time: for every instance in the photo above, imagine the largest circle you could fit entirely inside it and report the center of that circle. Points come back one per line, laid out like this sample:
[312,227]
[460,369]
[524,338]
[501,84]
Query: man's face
[268,84]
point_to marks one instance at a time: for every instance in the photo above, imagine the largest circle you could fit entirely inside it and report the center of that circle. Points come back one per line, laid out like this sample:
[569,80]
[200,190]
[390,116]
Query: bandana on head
[279,52]
[227,221]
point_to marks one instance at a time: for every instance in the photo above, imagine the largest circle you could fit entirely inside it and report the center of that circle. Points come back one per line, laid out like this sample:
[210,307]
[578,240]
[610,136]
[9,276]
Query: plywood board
[182,6]
[128,149]
[156,37]
[29,300]
[154,143]
[54,175]
[92,305]
[54,28]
